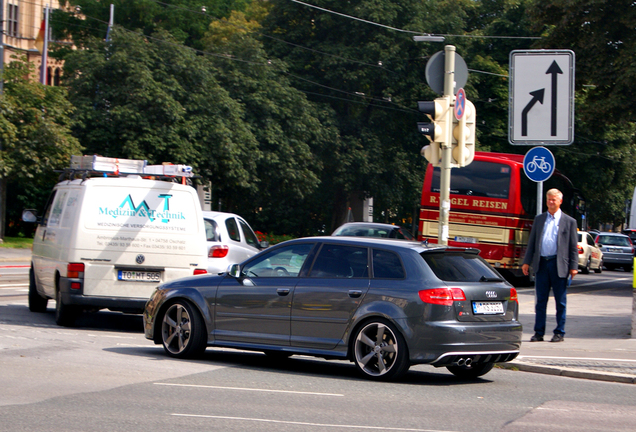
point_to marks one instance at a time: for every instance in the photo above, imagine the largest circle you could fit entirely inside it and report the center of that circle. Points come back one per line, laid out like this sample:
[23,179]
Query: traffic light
[437,130]
[464,136]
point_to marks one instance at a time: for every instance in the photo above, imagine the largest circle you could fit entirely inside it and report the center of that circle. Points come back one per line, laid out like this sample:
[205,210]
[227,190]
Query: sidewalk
[598,343]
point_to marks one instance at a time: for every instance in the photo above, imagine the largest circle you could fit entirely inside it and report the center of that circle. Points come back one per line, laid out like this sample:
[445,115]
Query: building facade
[21,24]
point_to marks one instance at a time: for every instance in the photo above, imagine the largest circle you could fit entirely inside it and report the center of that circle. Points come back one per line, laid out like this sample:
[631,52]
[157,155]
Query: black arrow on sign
[554,69]
[537,96]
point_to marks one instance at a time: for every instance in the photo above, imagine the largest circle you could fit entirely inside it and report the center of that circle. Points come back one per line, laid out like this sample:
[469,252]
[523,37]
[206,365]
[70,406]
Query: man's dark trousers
[548,276]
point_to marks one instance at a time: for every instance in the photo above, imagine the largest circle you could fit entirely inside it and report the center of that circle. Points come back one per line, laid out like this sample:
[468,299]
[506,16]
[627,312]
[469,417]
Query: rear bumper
[76,297]
[442,343]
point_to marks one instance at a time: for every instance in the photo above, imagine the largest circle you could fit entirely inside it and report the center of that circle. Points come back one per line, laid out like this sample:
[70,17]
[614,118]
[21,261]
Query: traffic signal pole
[445,169]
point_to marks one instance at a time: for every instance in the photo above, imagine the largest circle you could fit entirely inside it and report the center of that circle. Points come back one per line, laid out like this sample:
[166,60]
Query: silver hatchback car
[382,304]
[617,249]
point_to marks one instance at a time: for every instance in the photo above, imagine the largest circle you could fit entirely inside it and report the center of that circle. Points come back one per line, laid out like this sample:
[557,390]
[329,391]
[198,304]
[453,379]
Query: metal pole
[43,67]
[539,198]
[445,170]
[3,201]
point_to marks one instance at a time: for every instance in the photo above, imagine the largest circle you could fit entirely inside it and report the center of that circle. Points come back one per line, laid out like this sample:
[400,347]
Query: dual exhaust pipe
[464,361]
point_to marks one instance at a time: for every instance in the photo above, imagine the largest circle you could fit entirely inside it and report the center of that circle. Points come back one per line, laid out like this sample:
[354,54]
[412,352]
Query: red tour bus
[493,204]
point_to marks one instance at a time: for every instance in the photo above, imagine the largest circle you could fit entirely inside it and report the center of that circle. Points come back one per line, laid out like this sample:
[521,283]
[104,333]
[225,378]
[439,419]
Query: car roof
[370,224]
[415,245]
[612,234]
[215,214]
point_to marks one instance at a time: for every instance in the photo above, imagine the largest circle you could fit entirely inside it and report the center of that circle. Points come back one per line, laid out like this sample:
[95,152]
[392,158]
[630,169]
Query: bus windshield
[480,179]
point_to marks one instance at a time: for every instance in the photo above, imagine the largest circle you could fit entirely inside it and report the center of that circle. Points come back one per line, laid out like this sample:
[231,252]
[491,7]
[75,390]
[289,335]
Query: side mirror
[234,270]
[264,244]
[29,215]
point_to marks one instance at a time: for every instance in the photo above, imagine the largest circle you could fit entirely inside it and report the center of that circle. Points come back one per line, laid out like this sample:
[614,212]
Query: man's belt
[548,258]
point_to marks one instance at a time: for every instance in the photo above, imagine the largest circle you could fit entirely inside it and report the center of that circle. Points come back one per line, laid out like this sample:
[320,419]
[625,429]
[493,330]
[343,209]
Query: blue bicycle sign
[538,164]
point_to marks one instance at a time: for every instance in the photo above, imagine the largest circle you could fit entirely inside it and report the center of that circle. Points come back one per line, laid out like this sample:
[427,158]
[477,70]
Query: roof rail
[116,166]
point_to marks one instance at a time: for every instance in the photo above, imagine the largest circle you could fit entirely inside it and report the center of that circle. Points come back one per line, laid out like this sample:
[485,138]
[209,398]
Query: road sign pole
[445,170]
[539,198]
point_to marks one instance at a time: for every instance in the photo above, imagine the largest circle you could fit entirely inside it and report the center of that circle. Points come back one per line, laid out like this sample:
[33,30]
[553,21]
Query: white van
[108,242]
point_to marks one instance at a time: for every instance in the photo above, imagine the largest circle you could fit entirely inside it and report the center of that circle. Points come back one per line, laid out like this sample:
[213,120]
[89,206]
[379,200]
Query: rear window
[613,241]
[211,230]
[459,267]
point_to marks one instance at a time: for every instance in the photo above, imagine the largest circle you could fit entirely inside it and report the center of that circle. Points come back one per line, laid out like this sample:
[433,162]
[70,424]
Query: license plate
[615,250]
[466,239]
[488,308]
[138,276]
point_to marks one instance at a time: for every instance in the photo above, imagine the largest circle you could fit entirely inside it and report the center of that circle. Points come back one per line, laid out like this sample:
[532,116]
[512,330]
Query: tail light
[513,295]
[75,270]
[200,271]
[218,251]
[442,296]
[580,248]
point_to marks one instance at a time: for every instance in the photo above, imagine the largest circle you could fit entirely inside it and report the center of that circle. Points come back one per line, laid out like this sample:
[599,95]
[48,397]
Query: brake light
[580,248]
[442,296]
[513,295]
[200,271]
[218,251]
[73,270]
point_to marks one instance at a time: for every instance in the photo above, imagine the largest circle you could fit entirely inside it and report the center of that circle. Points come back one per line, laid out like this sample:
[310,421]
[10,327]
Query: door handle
[282,291]
[355,293]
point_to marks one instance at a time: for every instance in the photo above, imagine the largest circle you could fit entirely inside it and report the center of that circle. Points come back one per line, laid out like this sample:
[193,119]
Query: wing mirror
[234,270]
[30,215]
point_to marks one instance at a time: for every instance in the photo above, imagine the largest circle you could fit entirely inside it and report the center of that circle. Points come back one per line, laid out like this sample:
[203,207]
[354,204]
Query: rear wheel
[600,267]
[380,352]
[65,315]
[37,303]
[588,264]
[183,331]
[472,371]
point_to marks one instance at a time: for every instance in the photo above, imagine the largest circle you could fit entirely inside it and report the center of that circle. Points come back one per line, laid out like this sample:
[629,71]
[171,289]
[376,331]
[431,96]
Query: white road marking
[250,389]
[9,286]
[339,426]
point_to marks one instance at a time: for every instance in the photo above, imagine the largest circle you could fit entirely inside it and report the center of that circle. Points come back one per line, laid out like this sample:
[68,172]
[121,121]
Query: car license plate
[466,239]
[138,276]
[488,308]
[615,250]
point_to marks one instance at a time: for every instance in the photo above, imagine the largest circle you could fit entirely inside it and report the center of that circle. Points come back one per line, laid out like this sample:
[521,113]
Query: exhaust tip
[461,362]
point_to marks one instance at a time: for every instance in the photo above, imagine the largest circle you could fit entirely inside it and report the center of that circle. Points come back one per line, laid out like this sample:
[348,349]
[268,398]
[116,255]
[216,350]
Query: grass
[17,243]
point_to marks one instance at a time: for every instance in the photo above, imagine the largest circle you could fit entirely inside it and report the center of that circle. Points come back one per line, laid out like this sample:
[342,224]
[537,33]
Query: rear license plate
[138,276]
[466,239]
[488,308]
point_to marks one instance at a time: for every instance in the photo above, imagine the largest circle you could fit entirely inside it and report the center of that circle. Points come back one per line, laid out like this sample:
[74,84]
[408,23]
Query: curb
[569,372]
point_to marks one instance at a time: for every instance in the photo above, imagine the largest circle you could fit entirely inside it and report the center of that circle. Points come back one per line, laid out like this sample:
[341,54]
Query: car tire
[600,268]
[588,264]
[380,351]
[37,303]
[183,331]
[65,315]
[472,371]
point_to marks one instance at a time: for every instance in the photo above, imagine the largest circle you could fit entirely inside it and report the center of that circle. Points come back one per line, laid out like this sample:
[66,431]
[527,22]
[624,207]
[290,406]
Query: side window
[337,261]
[282,262]
[56,210]
[211,230]
[48,208]
[387,265]
[590,240]
[232,229]
[250,237]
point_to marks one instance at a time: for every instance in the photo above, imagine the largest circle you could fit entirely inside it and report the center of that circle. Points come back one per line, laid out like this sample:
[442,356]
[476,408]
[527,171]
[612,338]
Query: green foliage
[17,243]
[35,127]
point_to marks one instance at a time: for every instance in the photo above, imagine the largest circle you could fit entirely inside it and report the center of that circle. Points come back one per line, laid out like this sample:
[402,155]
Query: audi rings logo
[491,294]
[140,259]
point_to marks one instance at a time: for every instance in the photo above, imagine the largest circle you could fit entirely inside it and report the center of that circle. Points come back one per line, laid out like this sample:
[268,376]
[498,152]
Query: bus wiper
[489,279]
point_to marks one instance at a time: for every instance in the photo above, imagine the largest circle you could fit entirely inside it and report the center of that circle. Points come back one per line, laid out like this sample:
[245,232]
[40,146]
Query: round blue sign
[538,164]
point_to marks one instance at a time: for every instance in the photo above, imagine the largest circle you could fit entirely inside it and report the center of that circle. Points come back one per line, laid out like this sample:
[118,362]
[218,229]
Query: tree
[154,99]
[35,123]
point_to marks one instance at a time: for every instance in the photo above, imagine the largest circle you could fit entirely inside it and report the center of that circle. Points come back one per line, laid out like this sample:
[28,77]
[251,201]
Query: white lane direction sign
[541,105]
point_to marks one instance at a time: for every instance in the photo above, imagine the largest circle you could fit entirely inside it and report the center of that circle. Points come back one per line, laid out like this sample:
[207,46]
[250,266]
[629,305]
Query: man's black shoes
[536,338]
[558,337]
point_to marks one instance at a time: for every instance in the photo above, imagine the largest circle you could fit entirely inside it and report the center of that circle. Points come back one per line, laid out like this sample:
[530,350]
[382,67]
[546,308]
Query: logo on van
[128,208]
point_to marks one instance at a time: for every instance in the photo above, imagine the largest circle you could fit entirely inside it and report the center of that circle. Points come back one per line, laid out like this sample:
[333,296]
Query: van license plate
[488,308]
[138,276]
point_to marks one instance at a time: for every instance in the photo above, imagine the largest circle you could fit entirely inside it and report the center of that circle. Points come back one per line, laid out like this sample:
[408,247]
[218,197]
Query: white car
[590,256]
[230,240]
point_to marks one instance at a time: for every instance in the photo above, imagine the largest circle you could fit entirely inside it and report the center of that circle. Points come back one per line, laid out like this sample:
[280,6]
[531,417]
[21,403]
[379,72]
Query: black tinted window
[337,261]
[459,267]
[387,265]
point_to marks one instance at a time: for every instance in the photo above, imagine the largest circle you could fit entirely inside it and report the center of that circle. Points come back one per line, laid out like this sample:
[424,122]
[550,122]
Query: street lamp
[428,38]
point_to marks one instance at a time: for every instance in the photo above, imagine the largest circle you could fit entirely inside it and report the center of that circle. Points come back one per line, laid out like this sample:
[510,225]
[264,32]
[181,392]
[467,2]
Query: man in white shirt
[552,253]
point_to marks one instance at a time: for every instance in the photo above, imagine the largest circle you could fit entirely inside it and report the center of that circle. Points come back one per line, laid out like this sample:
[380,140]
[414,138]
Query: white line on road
[576,358]
[250,389]
[339,426]
[9,286]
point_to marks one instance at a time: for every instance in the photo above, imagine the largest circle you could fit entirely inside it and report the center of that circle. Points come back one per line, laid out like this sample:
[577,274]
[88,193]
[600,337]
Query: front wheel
[37,303]
[588,264]
[472,371]
[600,268]
[380,351]
[183,331]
